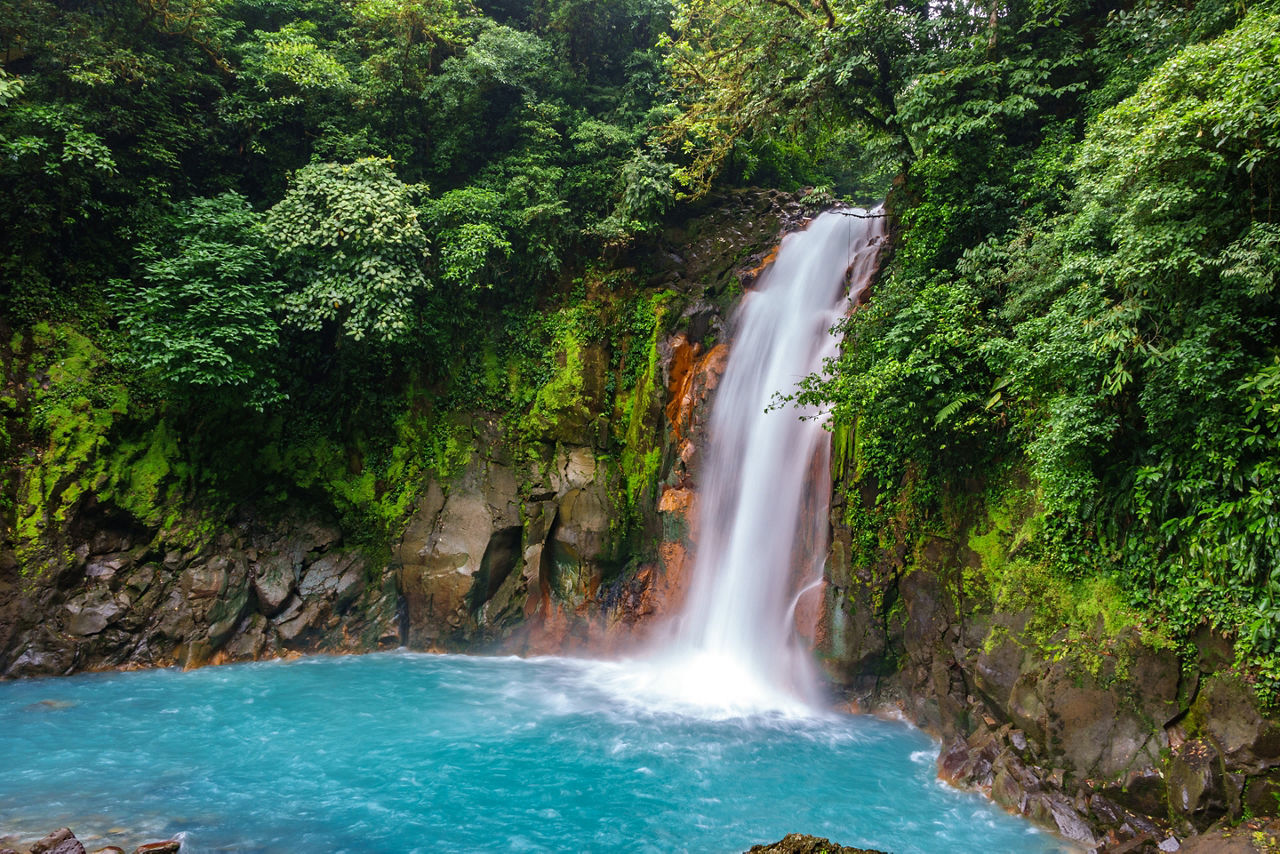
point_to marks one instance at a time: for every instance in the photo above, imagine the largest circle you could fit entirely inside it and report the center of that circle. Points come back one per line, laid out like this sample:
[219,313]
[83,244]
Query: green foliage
[349,244]
[222,175]
[641,455]
[1083,279]
[290,57]
[1088,286]
[102,111]
[84,447]
[471,228]
[204,318]
[1150,401]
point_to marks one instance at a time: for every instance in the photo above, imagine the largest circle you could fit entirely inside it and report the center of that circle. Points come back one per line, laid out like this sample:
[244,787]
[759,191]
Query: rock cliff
[1081,720]
[553,528]
[569,526]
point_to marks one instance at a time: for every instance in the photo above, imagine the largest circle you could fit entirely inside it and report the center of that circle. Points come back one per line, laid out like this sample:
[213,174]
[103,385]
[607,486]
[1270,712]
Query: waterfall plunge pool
[400,752]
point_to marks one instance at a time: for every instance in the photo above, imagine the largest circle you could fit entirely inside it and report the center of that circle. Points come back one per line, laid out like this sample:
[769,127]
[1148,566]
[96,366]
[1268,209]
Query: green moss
[641,457]
[844,450]
[1084,618]
[561,395]
[138,476]
[79,417]
[373,484]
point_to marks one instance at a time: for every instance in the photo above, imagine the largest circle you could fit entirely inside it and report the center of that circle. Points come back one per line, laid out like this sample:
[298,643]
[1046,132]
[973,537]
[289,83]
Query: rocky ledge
[63,841]
[1106,735]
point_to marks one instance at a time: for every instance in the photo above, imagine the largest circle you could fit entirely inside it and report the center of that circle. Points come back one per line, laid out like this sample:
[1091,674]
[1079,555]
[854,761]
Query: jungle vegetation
[309,226]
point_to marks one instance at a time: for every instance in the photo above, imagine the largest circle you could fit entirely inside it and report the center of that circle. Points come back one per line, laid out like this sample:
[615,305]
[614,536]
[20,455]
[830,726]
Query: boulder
[169,846]
[275,576]
[250,639]
[61,841]
[1194,779]
[798,843]
[1226,711]
[337,577]
[90,614]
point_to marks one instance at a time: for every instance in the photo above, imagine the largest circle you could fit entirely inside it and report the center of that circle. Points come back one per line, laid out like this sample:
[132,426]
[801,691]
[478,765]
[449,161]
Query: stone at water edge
[798,843]
[169,846]
[61,841]
[1253,836]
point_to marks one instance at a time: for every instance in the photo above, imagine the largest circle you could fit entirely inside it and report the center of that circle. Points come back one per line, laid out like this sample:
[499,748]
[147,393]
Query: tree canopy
[336,221]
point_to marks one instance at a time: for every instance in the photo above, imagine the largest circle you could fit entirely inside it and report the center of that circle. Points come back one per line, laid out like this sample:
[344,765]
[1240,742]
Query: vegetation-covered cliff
[307,306]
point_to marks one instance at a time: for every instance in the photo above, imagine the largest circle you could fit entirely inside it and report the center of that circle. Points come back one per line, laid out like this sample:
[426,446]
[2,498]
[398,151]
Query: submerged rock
[798,843]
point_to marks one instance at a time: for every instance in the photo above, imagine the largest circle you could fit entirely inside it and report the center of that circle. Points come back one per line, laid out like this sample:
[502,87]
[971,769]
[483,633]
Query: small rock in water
[110,849]
[52,705]
[169,846]
[798,843]
[61,841]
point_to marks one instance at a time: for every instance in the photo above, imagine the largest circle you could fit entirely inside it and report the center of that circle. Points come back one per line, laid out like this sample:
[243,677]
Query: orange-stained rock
[752,275]
[693,376]
[169,846]
[675,501]
[683,354]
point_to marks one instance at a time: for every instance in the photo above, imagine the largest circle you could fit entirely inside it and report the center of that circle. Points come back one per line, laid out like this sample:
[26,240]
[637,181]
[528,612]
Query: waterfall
[765,484]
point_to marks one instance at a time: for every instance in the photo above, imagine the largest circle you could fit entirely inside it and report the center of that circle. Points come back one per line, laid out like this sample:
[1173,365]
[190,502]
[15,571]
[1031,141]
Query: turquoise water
[405,752]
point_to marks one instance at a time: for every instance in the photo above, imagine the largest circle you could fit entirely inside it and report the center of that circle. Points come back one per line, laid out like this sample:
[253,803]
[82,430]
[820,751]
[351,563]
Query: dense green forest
[259,234]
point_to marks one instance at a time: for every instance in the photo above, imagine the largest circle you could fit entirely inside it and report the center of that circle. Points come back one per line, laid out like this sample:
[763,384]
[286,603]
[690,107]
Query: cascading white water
[761,531]
[763,498]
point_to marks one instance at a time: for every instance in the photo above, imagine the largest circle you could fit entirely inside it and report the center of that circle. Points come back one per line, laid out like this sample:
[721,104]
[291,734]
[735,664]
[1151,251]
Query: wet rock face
[536,543]
[155,599]
[577,529]
[499,544]
[1122,747]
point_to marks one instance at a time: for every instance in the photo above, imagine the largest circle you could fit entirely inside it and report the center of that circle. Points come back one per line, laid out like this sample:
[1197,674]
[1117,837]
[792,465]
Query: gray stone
[104,569]
[250,639]
[274,577]
[1195,783]
[502,493]
[1228,711]
[298,616]
[61,841]
[90,617]
[997,670]
[231,601]
[1071,824]
[336,577]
